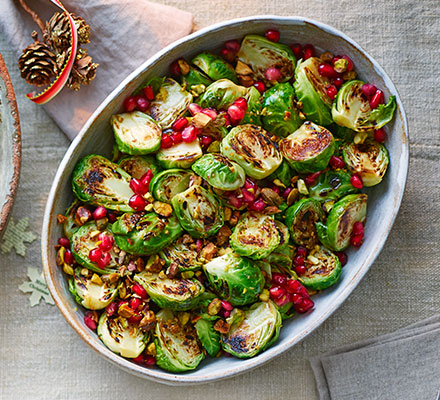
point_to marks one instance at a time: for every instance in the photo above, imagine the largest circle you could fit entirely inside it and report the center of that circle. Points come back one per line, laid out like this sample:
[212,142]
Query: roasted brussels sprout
[98,181]
[219,171]
[145,234]
[280,116]
[369,160]
[90,293]
[182,155]
[177,346]
[309,148]
[283,232]
[169,104]
[120,337]
[323,270]
[235,279]
[199,211]
[136,133]
[215,67]
[182,255]
[255,236]
[221,94]
[260,54]
[137,166]
[311,90]
[208,336]
[174,294]
[258,330]
[283,173]
[337,232]
[165,185]
[332,185]
[352,109]
[301,218]
[251,147]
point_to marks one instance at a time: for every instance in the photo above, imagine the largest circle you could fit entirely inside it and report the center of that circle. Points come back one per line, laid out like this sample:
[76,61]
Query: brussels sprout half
[219,171]
[323,270]
[165,185]
[258,330]
[175,294]
[121,338]
[137,166]
[235,279]
[260,54]
[182,155]
[177,347]
[309,148]
[215,67]
[170,103]
[199,211]
[208,336]
[255,236]
[280,116]
[310,88]
[145,234]
[136,133]
[221,94]
[90,294]
[332,185]
[351,109]
[337,232]
[301,218]
[369,160]
[183,256]
[98,181]
[251,147]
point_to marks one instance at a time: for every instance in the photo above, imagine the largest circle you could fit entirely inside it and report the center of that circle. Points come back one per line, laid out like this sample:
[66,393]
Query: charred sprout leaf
[337,232]
[136,133]
[259,329]
[165,185]
[280,116]
[309,148]
[369,160]
[332,185]
[98,181]
[255,236]
[137,166]
[251,147]
[199,211]
[283,173]
[169,104]
[215,67]
[119,337]
[235,279]
[221,94]
[145,234]
[311,91]
[195,77]
[182,255]
[219,171]
[260,54]
[283,232]
[323,270]
[208,336]
[177,347]
[182,155]
[252,115]
[352,109]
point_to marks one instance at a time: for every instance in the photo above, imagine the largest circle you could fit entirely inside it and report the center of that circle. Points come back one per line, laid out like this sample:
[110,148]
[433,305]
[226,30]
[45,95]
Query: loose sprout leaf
[383,113]
[215,67]
[332,185]
[208,336]
[221,94]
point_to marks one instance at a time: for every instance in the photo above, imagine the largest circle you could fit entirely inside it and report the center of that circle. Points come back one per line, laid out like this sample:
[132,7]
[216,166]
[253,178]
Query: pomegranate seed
[228,55]
[338,82]
[233,45]
[310,179]
[134,303]
[135,318]
[146,179]
[227,120]
[62,241]
[234,201]
[298,260]
[139,290]
[166,142]
[99,213]
[282,300]
[350,64]
[300,269]
[286,193]
[302,291]
[368,89]
[279,279]
[175,69]
[142,103]
[380,135]
[194,108]
[206,140]
[327,71]
[296,299]
[149,361]
[176,137]
[139,359]
[342,257]
[276,189]
[248,197]
[111,217]
[210,113]
[106,242]
[356,181]
[242,103]
[95,255]
[358,228]
[258,205]
[104,260]
[137,186]
[332,92]
[137,202]
[260,86]
[293,286]
[272,35]
[272,74]
[248,184]
[68,257]
[305,305]
[226,313]
[336,162]
[148,92]
[236,113]
[180,124]
[226,305]
[276,292]
[89,321]
[189,134]
[111,309]
[301,251]
[297,50]
[309,51]
[357,240]
[377,99]
[130,104]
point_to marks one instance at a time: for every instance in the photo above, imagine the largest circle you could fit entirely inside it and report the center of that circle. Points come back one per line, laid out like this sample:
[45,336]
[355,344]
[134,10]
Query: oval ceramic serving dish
[97,137]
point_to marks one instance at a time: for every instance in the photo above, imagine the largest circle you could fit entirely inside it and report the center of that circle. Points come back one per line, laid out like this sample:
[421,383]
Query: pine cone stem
[34,16]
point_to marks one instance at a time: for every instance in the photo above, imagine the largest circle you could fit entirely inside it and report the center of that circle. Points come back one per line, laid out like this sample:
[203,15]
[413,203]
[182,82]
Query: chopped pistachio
[302,188]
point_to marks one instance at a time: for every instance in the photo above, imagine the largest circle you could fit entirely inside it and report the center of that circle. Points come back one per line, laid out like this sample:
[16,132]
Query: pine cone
[57,32]
[83,71]
[37,63]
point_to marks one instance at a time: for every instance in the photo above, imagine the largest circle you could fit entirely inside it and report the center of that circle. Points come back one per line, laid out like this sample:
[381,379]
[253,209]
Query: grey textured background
[42,357]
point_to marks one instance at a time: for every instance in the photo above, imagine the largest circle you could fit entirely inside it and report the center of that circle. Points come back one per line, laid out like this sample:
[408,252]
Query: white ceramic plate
[96,136]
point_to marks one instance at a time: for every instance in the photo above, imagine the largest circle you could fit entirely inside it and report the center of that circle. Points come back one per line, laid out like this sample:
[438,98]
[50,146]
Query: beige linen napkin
[124,35]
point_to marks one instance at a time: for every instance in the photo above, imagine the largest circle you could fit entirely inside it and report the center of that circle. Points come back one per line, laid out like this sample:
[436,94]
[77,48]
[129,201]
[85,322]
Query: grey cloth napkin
[400,365]
[124,34]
